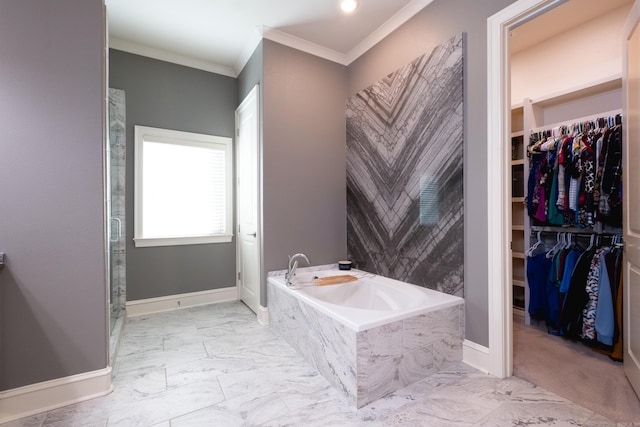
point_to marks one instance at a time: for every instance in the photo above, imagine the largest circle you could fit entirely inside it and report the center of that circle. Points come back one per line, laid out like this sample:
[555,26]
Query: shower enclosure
[116,166]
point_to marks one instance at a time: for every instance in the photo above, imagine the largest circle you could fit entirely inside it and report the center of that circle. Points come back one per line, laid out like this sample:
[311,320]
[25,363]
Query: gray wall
[53,314]
[304,190]
[436,23]
[170,96]
[251,74]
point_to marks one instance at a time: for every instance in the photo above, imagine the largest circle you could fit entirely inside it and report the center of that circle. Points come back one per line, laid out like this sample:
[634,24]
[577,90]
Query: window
[182,188]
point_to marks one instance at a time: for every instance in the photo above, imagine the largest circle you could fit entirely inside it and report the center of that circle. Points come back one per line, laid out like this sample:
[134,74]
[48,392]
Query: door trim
[498,182]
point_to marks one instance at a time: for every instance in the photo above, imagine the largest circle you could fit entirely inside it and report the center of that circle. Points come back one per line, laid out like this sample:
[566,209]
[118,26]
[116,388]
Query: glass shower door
[117,182]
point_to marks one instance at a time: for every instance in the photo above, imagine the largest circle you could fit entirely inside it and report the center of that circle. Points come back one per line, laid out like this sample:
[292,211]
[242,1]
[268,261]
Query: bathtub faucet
[293,264]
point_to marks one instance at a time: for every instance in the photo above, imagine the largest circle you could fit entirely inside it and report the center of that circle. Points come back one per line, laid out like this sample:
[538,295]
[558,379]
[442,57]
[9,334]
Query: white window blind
[183,188]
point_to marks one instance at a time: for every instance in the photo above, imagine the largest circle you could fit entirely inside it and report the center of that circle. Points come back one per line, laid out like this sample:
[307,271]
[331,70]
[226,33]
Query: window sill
[141,242]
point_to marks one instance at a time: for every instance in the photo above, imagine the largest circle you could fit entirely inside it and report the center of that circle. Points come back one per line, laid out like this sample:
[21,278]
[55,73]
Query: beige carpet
[572,370]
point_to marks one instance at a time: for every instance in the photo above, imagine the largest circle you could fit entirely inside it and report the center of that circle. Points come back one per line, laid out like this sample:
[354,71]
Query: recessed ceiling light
[348,6]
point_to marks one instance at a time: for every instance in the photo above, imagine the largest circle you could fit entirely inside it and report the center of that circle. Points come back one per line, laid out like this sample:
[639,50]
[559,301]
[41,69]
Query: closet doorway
[542,97]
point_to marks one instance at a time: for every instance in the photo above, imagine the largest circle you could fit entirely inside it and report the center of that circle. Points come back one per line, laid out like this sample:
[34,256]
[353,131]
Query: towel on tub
[334,280]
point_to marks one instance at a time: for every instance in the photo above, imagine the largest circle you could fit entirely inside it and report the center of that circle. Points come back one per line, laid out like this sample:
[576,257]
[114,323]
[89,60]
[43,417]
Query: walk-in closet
[566,170]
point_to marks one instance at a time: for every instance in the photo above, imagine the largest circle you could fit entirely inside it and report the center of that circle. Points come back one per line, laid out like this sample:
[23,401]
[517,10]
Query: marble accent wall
[117,145]
[367,365]
[405,172]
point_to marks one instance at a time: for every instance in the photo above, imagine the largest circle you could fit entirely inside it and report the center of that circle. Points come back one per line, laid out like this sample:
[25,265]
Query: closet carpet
[572,370]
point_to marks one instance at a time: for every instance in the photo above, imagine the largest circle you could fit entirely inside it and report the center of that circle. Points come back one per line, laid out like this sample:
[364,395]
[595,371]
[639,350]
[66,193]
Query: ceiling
[221,35]
[560,19]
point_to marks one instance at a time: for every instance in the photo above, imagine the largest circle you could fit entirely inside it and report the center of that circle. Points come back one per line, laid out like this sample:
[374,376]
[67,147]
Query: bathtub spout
[293,265]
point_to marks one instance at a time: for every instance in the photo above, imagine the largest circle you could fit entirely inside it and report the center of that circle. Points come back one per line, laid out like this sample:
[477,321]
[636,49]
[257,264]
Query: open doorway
[546,91]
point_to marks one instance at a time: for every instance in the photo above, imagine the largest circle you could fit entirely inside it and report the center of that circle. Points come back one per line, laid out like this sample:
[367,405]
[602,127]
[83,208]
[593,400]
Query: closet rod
[616,239]
[574,121]
[573,233]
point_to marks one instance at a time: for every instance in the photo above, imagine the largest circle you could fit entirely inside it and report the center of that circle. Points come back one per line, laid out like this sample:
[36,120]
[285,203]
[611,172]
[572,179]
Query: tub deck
[367,362]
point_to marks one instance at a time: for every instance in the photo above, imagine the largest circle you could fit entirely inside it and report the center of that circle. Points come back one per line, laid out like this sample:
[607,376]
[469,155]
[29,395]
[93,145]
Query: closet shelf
[518,209]
[593,88]
[519,283]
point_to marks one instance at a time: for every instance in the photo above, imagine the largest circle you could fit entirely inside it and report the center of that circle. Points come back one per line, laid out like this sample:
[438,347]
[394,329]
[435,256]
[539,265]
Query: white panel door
[248,199]
[631,151]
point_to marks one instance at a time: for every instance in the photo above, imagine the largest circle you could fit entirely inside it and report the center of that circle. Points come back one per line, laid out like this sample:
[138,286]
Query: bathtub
[369,337]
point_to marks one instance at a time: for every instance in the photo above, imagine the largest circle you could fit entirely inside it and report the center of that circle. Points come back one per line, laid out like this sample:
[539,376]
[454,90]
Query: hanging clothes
[605,320]
[555,215]
[575,174]
[576,291]
[538,267]
[575,181]
[606,329]
[577,297]
[617,351]
[593,288]
[610,202]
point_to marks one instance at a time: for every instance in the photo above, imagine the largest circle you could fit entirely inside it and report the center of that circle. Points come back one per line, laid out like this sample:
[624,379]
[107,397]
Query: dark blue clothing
[605,321]
[537,273]
[569,265]
[553,296]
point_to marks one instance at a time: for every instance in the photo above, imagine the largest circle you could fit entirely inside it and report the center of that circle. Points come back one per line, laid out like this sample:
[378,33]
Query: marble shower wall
[117,144]
[405,172]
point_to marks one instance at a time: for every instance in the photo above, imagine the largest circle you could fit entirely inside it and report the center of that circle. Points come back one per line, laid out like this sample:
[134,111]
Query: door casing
[500,363]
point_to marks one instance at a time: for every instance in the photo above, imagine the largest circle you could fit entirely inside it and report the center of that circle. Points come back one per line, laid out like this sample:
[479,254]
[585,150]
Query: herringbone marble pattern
[404,172]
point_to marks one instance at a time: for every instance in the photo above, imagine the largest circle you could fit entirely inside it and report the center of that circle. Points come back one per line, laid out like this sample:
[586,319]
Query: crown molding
[303,45]
[399,18]
[392,24]
[264,32]
[247,51]
[172,57]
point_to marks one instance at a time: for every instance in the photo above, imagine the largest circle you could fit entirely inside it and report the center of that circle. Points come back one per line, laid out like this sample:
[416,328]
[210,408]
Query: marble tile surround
[405,172]
[216,366]
[368,365]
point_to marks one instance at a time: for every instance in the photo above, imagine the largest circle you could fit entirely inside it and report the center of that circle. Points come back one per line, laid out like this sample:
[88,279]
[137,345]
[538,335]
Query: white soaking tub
[369,337]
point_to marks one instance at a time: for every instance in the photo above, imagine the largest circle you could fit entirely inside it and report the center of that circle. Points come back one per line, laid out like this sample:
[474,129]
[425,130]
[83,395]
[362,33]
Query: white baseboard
[35,398]
[175,302]
[475,355]
[263,315]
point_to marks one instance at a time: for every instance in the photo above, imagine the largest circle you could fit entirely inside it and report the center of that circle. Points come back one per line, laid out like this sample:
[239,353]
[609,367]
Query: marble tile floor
[216,366]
